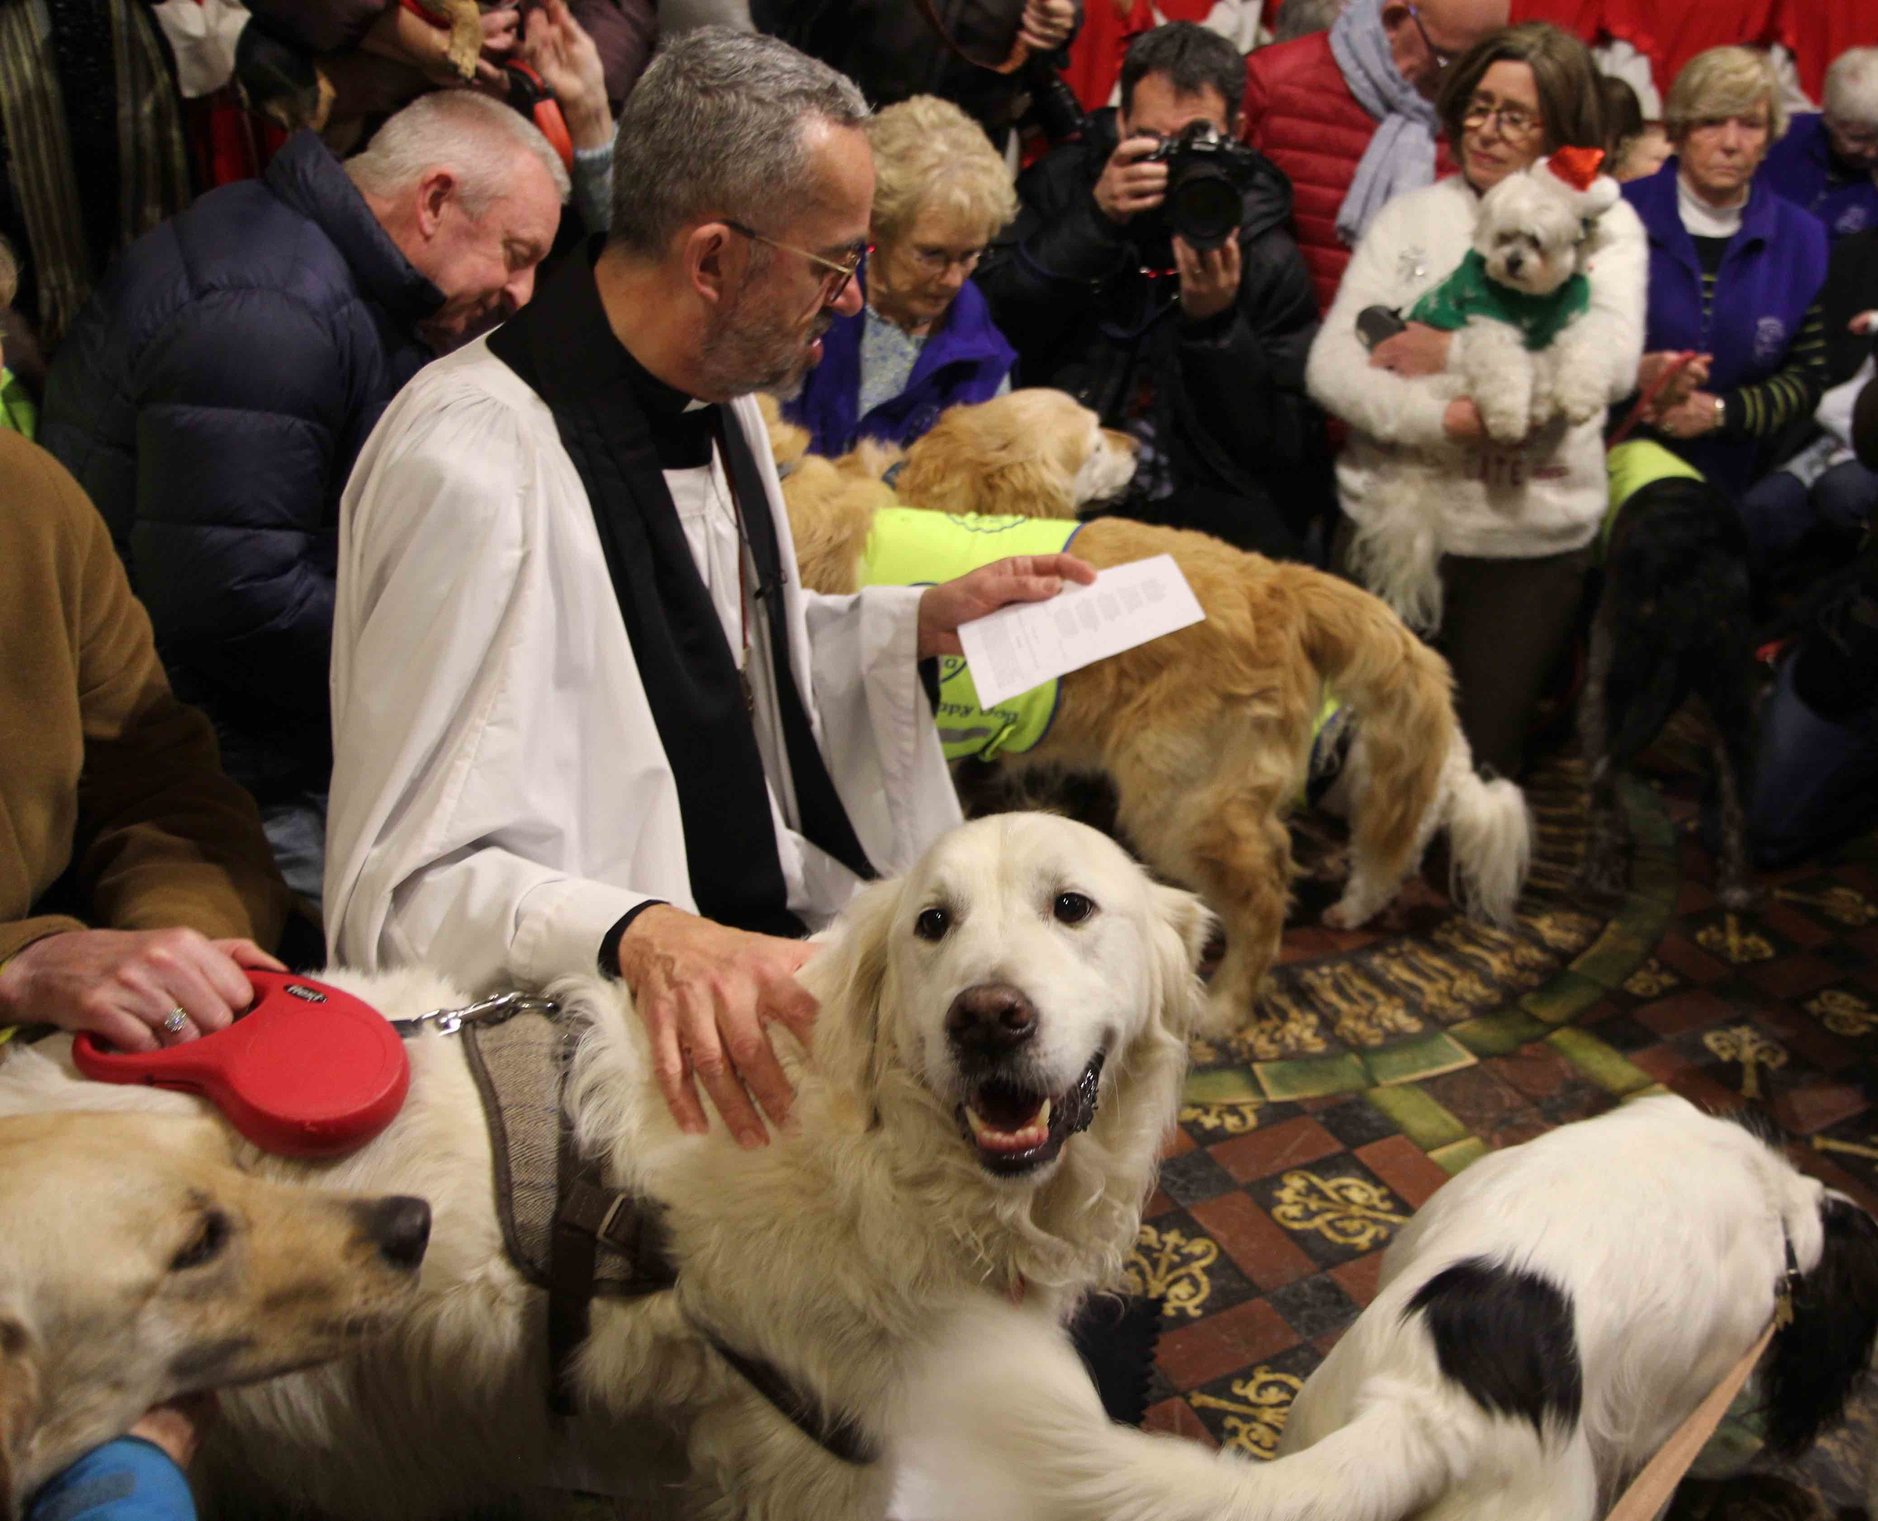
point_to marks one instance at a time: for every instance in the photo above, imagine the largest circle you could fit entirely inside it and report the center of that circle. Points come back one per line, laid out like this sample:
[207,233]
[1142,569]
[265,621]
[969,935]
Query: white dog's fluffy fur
[839,1252]
[1532,230]
[1660,1231]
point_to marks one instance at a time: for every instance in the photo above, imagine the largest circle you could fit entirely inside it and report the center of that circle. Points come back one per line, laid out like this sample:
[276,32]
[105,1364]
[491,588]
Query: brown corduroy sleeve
[164,837]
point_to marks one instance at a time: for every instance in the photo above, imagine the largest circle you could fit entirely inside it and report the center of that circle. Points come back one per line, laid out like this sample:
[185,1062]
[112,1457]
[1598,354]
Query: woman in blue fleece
[1735,271]
[924,340]
[137,1477]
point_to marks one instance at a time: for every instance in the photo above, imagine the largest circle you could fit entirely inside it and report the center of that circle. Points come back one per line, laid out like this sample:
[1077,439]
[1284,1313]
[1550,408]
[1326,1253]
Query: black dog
[1675,619]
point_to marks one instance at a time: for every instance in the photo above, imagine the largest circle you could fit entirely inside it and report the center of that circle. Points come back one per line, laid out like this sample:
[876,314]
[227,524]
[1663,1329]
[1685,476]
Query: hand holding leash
[704,992]
[562,53]
[137,989]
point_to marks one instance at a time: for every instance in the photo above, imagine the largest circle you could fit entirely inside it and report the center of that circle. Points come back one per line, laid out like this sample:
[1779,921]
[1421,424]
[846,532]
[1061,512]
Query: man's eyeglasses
[1442,60]
[839,271]
[1516,122]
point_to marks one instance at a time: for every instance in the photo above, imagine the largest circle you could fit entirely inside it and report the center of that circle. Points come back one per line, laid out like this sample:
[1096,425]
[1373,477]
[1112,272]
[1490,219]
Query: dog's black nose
[399,1227]
[1514,263]
[990,1019]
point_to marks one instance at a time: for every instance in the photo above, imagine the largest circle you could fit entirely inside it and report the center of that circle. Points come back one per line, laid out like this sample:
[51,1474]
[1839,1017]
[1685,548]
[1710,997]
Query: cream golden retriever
[138,1264]
[996,1062]
[1207,732]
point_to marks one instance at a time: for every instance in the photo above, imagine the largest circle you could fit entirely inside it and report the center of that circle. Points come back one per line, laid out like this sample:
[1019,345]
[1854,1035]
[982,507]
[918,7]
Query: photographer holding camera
[1151,274]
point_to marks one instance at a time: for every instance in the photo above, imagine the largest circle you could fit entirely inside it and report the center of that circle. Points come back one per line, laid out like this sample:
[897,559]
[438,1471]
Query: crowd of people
[367,595]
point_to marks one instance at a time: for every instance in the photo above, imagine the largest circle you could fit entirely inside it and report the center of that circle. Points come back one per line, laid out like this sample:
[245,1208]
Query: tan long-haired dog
[138,1264]
[1207,732]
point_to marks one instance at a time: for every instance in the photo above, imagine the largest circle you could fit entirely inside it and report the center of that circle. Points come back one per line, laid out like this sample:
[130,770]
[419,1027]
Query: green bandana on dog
[1469,293]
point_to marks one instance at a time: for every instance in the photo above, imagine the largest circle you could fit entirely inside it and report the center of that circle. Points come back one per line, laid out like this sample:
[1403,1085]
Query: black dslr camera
[1207,176]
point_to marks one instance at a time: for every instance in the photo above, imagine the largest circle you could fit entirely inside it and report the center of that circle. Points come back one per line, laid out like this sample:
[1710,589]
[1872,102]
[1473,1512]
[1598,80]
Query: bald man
[1349,115]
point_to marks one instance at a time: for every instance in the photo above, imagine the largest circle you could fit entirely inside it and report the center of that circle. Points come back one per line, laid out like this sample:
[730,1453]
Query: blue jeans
[1815,781]
[1779,510]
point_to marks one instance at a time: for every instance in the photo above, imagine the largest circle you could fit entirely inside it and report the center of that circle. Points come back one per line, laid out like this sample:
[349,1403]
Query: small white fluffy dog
[1517,352]
[997,1060]
[1544,1323]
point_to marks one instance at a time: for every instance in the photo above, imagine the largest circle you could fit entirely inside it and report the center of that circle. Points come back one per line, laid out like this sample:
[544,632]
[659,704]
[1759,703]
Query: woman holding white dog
[1484,544]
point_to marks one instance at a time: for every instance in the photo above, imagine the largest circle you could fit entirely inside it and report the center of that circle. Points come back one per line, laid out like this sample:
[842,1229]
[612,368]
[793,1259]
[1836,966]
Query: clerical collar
[681,424]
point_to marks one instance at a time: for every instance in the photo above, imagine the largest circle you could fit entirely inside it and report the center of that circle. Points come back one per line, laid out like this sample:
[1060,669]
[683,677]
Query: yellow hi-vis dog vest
[1631,466]
[909,546]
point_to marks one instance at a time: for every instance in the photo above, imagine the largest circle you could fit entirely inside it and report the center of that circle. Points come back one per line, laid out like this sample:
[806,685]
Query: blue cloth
[125,1480]
[965,359]
[1780,509]
[1815,781]
[1401,155]
[211,398]
[1772,272]
[1800,168]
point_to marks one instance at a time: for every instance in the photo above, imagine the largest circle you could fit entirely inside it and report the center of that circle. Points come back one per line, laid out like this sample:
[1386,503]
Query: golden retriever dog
[139,1264]
[1207,732]
[997,1060]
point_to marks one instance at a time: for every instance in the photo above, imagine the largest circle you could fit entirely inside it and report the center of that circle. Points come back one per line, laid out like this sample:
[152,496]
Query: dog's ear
[19,1405]
[1183,926]
[848,979]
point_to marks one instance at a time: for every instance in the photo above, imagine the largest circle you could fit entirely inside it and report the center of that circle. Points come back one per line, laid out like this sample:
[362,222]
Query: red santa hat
[1577,167]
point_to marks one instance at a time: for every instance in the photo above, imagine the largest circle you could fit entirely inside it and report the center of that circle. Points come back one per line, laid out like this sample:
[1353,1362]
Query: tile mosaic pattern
[1386,1060]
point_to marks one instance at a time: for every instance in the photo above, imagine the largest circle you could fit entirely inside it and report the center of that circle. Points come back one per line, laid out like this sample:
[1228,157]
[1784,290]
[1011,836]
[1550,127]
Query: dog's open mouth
[1015,1129]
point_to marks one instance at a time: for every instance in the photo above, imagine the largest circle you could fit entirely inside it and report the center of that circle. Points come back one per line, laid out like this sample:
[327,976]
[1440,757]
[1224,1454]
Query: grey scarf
[1401,156]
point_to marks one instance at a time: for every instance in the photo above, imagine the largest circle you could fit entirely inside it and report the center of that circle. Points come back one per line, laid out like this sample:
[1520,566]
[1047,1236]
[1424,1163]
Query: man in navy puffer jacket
[213,394]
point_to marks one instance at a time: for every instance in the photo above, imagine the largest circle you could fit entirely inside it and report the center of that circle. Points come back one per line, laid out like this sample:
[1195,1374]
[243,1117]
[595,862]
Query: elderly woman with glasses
[1514,527]
[1827,163]
[924,340]
[1735,274]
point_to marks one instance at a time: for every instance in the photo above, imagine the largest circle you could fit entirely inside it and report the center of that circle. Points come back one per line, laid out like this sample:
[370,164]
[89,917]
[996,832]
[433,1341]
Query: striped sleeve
[1765,408]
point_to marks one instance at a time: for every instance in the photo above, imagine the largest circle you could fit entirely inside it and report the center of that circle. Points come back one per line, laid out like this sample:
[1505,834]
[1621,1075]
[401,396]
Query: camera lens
[1204,206]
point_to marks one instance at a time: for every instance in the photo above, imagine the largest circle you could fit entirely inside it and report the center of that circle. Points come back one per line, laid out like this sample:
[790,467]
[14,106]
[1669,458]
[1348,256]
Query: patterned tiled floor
[1383,1062]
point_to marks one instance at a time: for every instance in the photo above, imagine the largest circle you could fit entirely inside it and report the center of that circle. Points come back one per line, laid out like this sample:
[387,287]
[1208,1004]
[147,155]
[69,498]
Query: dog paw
[1506,425]
[1352,911]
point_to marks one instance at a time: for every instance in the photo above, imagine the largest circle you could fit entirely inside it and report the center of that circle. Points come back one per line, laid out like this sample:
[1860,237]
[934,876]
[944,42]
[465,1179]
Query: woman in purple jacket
[924,339]
[1735,271]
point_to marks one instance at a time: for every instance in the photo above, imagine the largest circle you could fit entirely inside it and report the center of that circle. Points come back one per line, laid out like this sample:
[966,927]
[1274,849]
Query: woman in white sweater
[1514,527]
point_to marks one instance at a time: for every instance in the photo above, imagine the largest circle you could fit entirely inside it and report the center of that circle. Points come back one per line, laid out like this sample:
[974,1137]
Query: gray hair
[715,127]
[1851,94]
[474,137]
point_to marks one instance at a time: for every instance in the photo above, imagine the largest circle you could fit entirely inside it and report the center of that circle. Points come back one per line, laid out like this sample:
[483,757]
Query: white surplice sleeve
[496,805]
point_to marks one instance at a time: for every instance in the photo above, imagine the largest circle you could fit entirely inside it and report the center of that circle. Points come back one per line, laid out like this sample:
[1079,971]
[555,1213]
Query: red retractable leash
[308,1071]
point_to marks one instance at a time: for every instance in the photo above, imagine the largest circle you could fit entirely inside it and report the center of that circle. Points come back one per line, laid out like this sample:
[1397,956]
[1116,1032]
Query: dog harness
[909,546]
[570,1234]
[1471,292]
[1633,465]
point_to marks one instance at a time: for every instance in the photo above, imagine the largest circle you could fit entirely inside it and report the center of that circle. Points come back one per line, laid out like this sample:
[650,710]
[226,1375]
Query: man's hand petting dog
[1416,351]
[1128,186]
[704,992]
[1209,279]
[1020,578]
[128,986]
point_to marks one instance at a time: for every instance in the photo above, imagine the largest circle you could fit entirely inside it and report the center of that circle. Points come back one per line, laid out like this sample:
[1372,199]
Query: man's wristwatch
[1721,413]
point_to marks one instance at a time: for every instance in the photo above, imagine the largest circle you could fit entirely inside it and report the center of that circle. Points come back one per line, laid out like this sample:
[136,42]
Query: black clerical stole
[622,428]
